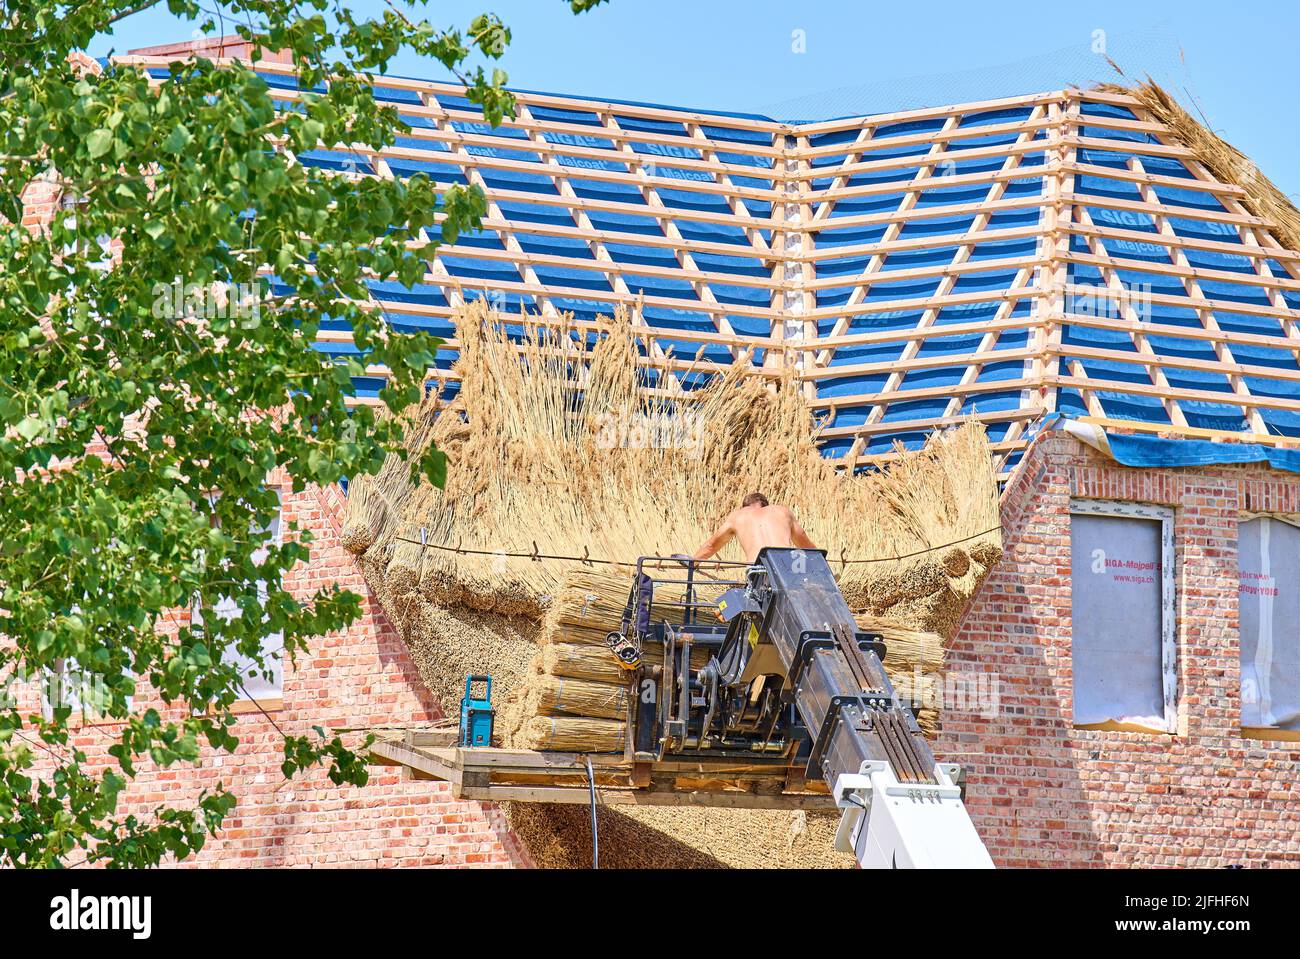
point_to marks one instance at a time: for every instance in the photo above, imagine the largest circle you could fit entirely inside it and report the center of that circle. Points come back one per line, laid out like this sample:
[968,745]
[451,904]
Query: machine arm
[900,807]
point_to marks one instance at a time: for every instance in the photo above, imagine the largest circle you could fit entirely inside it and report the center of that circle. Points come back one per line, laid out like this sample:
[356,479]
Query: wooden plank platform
[516,775]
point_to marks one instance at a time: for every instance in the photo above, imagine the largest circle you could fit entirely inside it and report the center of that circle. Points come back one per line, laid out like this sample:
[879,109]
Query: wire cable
[587,560]
[595,835]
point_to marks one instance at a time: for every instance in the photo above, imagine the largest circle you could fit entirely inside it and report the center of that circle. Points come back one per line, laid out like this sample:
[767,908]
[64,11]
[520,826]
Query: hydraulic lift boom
[790,676]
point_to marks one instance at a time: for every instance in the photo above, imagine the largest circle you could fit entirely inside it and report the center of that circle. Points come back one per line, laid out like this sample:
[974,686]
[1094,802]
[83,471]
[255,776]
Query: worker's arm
[717,540]
[798,536]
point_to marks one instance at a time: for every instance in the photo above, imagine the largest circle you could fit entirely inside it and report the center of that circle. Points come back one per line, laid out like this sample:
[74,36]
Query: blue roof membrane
[888,352]
[976,403]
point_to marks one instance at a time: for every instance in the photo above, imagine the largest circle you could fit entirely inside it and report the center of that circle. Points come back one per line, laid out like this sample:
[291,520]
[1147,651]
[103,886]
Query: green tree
[173,186]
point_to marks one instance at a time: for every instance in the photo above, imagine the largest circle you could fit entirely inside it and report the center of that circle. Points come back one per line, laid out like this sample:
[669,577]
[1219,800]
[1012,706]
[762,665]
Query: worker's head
[754,499]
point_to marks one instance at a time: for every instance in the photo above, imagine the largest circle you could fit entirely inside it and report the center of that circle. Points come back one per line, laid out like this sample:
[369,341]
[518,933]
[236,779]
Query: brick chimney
[233,46]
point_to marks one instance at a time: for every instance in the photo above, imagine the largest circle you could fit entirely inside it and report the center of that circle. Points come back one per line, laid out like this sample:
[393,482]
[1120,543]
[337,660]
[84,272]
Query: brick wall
[1041,792]
[360,677]
[1044,793]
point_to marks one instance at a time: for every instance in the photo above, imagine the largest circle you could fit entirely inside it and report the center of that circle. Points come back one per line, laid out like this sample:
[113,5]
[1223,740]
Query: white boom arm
[887,824]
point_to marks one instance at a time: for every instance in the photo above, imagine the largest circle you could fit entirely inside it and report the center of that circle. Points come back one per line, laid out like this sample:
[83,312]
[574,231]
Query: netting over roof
[1152,52]
[1001,259]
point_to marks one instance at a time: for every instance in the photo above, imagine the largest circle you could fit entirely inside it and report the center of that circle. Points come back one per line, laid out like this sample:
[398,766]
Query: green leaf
[435,467]
[30,427]
[177,140]
[99,142]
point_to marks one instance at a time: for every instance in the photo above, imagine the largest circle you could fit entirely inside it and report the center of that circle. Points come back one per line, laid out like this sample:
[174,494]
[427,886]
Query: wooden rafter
[755,204]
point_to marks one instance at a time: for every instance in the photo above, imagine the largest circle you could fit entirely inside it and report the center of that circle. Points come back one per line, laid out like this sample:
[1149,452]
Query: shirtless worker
[755,525]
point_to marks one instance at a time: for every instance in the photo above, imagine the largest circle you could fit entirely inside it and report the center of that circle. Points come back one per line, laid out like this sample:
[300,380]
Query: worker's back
[760,526]
[755,525]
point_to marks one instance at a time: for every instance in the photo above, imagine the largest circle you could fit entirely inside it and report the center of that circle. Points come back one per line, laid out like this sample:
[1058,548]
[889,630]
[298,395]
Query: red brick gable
[1044,793]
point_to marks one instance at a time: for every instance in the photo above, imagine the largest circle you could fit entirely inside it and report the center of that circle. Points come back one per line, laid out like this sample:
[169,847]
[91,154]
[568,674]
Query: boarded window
[1122,615]
[1269,557]
[256,686]
[84,692]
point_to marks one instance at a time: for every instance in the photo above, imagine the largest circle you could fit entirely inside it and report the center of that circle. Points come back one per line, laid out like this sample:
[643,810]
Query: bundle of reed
[913,661]
[588,461]
[589,601]
[906,649]
[596,663]
[1225,162]
[574,661]
[653,655]
[573,734]
[551,695]
[926,595]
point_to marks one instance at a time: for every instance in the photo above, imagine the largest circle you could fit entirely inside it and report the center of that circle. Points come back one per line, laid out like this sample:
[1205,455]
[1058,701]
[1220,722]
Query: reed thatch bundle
[560,448]
[554,695]
[573,734]
[1224,161]
[560,442]
[576,662]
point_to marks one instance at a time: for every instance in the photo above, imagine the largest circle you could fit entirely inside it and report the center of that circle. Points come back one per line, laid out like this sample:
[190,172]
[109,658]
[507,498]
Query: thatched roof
[556,441]
[560,443]
[1225,162]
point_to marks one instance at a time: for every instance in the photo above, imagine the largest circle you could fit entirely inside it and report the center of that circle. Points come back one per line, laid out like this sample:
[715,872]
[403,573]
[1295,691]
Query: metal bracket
[810,642]
[868,703]
[853,793]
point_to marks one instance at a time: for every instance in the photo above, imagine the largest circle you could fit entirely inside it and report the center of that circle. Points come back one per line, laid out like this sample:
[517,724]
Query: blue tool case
[476,715]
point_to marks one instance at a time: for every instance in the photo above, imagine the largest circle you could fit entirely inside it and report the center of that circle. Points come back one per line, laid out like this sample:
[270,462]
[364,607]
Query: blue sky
[1237,61]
